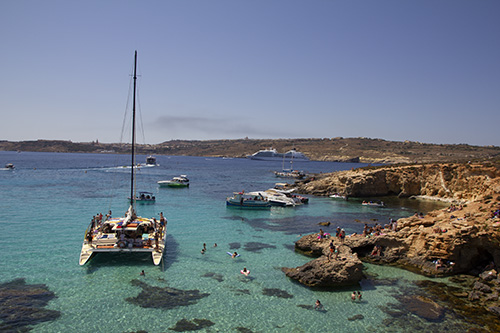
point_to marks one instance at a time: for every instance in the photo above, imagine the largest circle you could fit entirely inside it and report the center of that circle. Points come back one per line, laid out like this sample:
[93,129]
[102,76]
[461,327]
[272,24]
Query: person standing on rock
[342,236]
[332,250]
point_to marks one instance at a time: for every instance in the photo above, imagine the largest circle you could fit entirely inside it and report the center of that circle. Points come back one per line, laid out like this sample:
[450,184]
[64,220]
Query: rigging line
[139,111]
[116,175]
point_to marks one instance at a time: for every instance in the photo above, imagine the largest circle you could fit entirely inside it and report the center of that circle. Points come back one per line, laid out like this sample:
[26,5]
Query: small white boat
[338,196]
[151,161]
[250,200]
[177,182]
[288,173]
[277,198]
[9,166]
[144,198]
[373,204]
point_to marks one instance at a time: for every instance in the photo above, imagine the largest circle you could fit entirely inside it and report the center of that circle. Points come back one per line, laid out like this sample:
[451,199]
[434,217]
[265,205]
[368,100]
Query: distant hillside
[335,149]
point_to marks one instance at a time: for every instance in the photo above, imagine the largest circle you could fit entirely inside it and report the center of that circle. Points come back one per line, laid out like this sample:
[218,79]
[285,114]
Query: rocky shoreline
[462,240]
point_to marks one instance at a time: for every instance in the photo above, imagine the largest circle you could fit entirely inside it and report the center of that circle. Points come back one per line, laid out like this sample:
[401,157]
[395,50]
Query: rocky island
[463,238]
[364,150]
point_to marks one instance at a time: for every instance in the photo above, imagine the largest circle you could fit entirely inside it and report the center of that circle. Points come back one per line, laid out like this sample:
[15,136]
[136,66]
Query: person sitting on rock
[439,264]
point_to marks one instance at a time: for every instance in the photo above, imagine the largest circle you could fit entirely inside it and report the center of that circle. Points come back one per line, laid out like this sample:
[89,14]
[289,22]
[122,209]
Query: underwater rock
[164,298]
[423,307]
[243,329]
[257,246]
[276,292]
[242,292]
[215,276]
[22,305]
[356,317]
[194,325]
[234,246]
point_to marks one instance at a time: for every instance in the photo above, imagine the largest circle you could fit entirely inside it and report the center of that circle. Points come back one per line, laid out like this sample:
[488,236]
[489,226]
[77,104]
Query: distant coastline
[364,150]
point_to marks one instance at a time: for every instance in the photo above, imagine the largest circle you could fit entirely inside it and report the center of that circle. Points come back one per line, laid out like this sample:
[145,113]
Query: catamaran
[131,233]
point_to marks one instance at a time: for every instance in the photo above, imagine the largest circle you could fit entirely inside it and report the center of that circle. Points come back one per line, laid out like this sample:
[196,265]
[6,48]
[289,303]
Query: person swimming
[318,305]
[234,255]
[245,272]
[353,296]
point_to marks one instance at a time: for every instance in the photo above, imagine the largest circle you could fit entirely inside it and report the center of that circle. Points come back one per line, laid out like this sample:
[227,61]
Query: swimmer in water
[318,305]
[353,296]
[234,255]
[245,271]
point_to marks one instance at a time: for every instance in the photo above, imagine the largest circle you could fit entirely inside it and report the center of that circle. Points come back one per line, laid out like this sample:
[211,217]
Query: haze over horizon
[423,71]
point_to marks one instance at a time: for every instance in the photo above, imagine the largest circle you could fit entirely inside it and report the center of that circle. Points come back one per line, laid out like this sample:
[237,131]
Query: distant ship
[272,155]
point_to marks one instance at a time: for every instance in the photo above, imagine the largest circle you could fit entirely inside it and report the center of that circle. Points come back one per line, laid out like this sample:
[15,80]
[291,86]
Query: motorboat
[298,199]
[373,203]
[249,200]
[277,198]
[144,198]
[130,233]
[177,182]
[9,166]
[338,196]
[151,161]
[272,154]
[289,173]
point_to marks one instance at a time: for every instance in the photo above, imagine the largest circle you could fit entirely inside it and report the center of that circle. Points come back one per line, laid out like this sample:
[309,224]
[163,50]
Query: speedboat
[251,200]
[277,198]
[9,166]
[131,233]
[298,199]
[151,161]
[272,154]
[181,181]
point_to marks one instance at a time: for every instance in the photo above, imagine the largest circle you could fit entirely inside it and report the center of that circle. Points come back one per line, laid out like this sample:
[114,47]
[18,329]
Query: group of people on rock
[454,207]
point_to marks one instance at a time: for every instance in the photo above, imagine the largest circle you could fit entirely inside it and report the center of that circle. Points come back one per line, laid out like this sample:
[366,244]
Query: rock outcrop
[461,239]
[342,269]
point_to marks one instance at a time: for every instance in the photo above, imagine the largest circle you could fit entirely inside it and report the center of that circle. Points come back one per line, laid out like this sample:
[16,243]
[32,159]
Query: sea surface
[47,202]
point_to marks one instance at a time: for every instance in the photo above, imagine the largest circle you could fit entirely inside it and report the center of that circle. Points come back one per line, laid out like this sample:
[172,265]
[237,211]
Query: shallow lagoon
[48,201]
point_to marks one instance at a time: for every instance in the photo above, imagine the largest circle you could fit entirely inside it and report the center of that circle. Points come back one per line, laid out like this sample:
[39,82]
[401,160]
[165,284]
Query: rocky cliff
[449,181]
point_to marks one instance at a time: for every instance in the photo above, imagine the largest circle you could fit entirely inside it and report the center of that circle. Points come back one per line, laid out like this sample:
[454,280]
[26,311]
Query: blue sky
[422,70]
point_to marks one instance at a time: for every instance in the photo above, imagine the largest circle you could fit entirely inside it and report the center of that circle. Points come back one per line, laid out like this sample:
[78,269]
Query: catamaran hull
[89,250]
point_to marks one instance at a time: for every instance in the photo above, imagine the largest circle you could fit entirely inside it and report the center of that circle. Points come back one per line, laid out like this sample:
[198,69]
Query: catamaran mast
[132,194]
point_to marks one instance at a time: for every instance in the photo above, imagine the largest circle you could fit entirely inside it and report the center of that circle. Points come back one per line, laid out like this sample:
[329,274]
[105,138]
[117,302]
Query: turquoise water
[48,201]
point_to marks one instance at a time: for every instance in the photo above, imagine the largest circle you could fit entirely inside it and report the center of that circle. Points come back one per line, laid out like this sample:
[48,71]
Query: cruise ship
[272,155]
